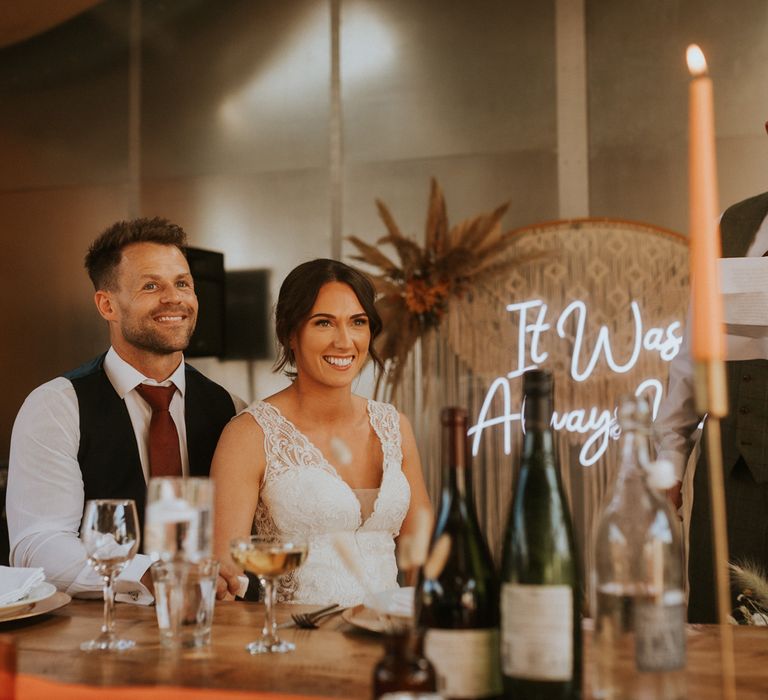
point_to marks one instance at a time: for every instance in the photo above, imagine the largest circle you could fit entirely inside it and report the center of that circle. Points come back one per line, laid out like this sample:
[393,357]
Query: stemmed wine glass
[110,533]
[269,557]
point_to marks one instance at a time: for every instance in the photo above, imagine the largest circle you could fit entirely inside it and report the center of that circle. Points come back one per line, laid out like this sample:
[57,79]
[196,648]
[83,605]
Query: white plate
[54,602]
[40,592]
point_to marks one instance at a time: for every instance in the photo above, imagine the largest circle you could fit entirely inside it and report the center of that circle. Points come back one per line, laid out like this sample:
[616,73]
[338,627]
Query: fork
[308,621]
[307,618]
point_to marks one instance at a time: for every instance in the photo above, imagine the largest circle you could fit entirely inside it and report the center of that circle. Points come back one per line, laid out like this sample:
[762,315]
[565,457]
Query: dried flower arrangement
[416,293]
[753,598]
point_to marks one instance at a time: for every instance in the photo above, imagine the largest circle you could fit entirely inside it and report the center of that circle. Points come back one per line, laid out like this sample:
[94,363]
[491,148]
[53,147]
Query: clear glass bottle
[639,645]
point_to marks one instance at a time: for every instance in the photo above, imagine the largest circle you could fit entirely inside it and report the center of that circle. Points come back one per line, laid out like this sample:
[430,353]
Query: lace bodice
[303,494]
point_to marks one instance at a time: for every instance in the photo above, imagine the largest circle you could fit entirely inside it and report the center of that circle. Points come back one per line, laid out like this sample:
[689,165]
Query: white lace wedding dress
[302,494]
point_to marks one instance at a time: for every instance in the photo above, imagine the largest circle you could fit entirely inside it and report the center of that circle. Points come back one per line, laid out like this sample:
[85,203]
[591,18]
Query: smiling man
[90,434]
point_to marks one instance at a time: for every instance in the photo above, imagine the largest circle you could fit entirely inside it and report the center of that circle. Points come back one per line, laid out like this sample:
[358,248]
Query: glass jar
[404,666]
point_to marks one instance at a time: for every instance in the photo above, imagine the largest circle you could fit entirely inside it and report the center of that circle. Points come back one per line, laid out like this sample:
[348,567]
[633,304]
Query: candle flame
[697,64]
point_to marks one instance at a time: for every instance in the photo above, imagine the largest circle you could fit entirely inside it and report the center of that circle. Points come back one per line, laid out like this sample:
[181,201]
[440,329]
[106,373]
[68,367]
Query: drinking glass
[178,520]
[268,558]
[185,595]
[110,533]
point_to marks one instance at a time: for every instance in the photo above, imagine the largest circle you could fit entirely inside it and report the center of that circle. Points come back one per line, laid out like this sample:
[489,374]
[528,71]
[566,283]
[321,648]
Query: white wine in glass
[267,558]
[110,533]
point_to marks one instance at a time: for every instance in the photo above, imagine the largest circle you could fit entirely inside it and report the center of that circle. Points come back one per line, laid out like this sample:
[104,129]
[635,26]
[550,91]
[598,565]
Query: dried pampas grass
[751,581]
[416,293]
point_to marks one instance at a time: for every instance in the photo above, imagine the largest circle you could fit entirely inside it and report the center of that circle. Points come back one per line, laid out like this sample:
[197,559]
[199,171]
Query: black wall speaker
[207,268]
[247,328]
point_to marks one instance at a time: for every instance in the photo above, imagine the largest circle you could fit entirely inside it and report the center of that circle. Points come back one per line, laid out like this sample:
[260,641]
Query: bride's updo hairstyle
[297,297]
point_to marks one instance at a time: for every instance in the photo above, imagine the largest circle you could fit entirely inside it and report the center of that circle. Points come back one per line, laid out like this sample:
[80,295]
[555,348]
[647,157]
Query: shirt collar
[125,377]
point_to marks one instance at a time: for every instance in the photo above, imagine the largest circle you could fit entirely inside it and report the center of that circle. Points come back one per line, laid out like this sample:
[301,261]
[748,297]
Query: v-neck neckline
[331,469]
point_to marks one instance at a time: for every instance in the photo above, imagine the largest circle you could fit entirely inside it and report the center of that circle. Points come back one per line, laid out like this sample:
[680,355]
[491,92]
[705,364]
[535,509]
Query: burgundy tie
[164,455]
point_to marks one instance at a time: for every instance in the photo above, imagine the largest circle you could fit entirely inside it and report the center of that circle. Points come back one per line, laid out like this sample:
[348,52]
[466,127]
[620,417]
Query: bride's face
[331,346]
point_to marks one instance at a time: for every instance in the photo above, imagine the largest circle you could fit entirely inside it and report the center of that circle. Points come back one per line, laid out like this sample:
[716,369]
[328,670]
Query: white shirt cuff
[128,586]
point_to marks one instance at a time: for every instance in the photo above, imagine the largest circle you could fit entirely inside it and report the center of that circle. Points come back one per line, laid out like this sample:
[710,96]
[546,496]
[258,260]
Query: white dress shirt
[677,420]
[45,497]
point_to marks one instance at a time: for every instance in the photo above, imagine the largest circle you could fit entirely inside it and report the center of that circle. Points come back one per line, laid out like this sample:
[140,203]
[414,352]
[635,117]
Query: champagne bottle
[540,587]
[640,607]
[457,595]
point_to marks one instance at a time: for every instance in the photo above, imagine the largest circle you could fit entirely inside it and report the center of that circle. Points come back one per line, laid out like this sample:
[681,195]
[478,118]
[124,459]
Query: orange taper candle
[708,342]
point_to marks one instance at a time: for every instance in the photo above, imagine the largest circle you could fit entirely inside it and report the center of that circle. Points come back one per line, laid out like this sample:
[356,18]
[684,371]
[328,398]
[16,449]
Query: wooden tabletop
[326,662]
[336,660]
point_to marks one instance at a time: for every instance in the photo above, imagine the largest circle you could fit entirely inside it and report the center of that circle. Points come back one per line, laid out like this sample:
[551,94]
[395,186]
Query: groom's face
[155,302]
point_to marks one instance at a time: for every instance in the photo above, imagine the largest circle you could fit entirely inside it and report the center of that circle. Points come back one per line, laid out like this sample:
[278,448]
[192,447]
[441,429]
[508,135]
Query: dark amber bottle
[404,666]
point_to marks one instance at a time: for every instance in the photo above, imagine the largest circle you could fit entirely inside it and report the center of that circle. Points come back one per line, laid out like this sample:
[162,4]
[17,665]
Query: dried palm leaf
[457,232]
[372,256]
[488,270]
[481,227]
[388,220]
[383,285]
[454,264]
[411,256]
[436,232]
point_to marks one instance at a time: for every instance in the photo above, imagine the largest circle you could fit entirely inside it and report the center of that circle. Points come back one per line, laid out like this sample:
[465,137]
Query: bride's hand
[228,583]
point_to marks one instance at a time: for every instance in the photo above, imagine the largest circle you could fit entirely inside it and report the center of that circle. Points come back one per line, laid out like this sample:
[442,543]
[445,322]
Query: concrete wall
[234,146]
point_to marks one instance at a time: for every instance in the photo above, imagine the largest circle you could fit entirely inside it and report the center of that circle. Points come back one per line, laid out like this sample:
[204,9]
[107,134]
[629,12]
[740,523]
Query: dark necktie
[164,455]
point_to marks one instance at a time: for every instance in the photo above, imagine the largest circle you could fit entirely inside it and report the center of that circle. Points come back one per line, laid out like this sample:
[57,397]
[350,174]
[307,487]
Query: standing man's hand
[675,495]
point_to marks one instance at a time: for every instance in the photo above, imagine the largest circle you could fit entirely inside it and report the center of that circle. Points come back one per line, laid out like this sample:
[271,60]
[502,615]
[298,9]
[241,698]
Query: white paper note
[745,296]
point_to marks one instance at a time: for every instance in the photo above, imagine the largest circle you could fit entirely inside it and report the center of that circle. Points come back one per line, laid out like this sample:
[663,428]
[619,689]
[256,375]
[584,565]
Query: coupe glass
[110,533]
[268,558]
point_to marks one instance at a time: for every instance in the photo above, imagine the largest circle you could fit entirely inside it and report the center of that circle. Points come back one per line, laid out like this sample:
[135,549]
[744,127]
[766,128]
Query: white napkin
[17,582]
[393,601]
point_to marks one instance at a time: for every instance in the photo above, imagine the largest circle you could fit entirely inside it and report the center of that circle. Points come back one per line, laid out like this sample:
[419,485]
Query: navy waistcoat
[108,454]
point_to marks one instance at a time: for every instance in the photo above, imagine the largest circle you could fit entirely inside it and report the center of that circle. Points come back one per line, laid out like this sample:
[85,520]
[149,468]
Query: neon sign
[599,424]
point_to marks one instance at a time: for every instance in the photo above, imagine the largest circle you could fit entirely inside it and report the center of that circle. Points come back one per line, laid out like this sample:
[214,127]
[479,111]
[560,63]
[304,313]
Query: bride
[315,460]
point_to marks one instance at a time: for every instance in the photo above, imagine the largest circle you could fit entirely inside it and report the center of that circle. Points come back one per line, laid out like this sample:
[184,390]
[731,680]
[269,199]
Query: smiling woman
[334,341]
[315,460]
[297,299]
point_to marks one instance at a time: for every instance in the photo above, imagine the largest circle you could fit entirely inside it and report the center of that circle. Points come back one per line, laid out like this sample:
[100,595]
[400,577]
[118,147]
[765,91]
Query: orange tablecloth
[34,688]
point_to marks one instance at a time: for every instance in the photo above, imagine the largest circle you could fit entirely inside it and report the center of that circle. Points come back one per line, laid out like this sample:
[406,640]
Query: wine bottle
[540,583]
[640,606]
[457,594]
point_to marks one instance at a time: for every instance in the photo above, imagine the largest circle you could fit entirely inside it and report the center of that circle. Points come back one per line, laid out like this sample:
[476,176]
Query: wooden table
[326,662]
[336,660]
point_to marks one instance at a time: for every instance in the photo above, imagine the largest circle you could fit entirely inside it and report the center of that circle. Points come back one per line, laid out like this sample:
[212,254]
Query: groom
[136,411]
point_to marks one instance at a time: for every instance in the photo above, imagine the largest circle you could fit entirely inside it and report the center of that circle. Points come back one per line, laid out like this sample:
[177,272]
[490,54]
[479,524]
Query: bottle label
[466,661]
[659,636]
[537,632]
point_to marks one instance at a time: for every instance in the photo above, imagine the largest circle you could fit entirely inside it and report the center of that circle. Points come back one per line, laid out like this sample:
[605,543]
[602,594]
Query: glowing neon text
[599,424]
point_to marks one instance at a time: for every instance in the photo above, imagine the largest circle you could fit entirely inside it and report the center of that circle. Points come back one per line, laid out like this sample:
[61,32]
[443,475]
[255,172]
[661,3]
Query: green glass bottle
[540,583]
